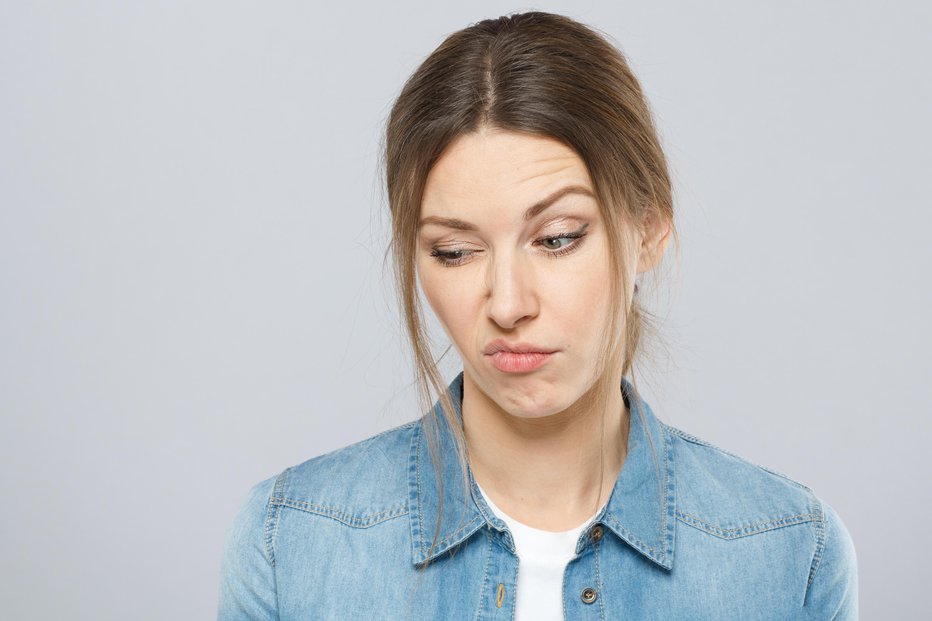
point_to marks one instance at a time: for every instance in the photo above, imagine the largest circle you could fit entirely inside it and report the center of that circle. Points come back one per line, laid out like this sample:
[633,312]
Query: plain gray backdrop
[193,296]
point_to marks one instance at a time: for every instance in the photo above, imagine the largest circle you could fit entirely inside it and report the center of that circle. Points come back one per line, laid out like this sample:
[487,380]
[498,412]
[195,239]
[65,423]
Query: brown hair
[542,74]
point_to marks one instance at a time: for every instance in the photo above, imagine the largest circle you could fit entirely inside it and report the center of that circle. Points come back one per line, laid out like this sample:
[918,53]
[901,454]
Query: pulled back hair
[541,74]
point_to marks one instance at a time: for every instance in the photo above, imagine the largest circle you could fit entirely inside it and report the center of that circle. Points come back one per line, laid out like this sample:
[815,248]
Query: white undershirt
[542,557]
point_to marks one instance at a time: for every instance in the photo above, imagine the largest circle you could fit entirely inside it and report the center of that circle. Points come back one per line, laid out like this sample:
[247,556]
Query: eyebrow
[531,212]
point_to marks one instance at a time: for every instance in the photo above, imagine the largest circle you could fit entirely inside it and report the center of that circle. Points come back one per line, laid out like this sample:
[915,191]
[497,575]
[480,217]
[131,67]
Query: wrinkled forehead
[500,170]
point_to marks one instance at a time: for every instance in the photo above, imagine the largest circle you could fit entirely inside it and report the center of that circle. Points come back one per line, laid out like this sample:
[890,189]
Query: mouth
[517,357]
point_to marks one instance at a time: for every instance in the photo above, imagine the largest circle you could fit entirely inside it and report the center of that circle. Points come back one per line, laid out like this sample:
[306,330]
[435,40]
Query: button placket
[582,577]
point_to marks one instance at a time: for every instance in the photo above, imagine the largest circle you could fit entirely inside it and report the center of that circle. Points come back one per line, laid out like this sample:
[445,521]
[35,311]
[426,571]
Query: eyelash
[449,258]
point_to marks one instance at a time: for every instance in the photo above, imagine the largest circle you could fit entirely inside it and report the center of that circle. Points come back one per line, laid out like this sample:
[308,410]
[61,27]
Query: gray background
[192,294]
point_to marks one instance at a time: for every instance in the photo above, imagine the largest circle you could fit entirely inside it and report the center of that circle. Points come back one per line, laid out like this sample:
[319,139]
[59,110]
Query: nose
[512,299]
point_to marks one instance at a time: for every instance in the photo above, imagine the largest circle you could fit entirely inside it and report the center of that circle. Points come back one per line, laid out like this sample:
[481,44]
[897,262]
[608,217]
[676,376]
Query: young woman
[528,191]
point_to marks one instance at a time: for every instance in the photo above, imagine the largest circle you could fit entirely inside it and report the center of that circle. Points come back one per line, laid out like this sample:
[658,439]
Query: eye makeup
[569,242]
[566,248]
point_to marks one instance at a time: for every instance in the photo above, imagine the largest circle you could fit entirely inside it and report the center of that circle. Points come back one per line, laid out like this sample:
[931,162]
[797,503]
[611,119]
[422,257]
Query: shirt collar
[640,510]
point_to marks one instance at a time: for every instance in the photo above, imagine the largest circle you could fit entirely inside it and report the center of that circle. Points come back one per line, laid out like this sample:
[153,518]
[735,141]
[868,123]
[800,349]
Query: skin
[534,442]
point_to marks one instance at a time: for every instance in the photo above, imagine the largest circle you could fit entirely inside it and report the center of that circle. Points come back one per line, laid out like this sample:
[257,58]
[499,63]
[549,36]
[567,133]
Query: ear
[653,242]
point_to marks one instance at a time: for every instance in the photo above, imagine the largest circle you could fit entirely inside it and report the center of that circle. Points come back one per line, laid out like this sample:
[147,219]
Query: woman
[528,191]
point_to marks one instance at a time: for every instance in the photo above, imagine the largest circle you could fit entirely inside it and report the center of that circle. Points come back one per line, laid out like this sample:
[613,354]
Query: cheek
[580,295]
[450,299]
[581,303]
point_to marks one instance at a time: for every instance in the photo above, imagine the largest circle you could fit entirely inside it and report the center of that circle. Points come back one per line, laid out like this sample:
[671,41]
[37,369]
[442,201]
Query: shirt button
[588,595]
[596,533]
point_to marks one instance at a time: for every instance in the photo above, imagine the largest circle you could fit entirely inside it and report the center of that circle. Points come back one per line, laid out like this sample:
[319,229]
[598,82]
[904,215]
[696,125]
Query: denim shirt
[696,533]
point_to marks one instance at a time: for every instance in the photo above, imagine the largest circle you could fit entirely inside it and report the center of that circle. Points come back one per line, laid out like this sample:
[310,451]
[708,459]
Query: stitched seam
[630,535]
[562,594]
[663,508]
[269,553]
[746,530]
[663,512]
[664,500]
[749,528]
[420,519]
[598,579]
[820,546]
[414,501]
[514,587]
[336,511]
[449,537]
[269,521]
[339,516]
[485,575]
[273,517]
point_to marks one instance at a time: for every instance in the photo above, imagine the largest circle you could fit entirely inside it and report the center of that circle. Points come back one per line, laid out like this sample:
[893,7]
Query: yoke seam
[746,530]
[339,515]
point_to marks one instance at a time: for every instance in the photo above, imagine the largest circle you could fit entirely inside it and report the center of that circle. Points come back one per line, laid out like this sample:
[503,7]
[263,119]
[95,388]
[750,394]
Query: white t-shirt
[542,557]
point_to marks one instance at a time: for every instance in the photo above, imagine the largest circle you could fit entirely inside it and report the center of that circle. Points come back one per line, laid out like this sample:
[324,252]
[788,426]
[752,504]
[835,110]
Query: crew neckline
[538,532]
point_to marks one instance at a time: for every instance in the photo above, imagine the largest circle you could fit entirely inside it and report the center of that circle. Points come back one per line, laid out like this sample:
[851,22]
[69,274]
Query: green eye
[557,245]
[554,243]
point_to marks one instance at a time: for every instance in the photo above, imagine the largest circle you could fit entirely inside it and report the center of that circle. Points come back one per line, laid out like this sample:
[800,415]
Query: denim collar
[640,510]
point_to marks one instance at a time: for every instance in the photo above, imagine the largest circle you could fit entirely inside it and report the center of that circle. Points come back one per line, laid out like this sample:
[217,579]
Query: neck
[551,472]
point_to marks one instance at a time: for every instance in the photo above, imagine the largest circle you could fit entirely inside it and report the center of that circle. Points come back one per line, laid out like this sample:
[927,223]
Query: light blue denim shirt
[697,534]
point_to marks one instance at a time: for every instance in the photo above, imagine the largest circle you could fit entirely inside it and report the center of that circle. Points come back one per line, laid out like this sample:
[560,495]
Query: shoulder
[359,484]
[728,497]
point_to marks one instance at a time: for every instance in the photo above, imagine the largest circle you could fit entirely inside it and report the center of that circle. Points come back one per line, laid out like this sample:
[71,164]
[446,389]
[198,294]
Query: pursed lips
[517,357]
[500,345]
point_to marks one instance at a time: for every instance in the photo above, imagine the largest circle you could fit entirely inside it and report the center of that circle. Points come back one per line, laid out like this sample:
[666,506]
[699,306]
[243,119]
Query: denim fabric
[696,533]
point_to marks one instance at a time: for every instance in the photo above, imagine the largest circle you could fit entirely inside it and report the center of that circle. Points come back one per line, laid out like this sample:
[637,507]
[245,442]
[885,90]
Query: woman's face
[513,258]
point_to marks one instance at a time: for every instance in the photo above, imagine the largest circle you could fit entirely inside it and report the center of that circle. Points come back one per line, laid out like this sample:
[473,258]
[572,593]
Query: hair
[541,74]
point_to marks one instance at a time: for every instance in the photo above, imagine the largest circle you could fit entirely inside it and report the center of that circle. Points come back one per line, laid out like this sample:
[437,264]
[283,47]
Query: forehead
[500,169]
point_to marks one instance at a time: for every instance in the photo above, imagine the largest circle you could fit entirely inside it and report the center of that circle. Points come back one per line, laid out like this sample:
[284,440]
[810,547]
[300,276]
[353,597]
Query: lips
[499,345]
[517,357]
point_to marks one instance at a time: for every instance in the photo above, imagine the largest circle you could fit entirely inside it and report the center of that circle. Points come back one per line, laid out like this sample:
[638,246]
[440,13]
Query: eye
[555,243]
[450,258]
[558,245]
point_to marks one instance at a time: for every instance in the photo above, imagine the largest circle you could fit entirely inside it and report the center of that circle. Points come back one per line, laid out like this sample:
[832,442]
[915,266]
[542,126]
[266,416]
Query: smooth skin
[488,272]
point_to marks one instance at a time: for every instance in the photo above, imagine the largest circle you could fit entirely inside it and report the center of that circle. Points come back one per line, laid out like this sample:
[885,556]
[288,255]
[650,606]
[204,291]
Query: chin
[532,395]
[528,402]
